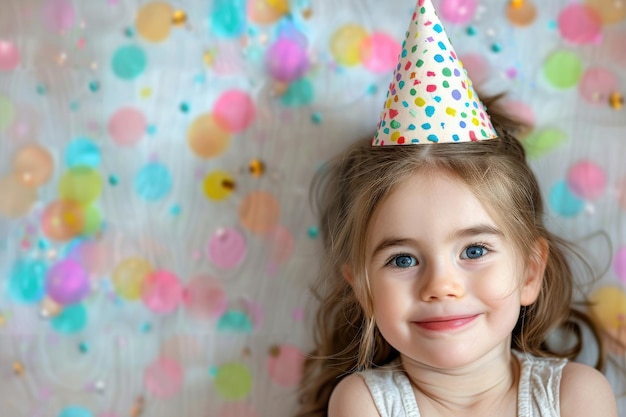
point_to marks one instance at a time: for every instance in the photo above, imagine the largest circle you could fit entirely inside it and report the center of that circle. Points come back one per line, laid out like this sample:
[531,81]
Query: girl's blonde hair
[348,191]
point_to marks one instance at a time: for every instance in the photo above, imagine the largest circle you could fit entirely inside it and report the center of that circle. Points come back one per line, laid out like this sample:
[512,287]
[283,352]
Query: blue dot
[439,58]
[405,104]
[426,126]
[564,202]
[74,411]
[437,28]
[228,19]
[153,181]
[129,62]
[300,93]
[27,281]
[234,321]
[433,138]
[404,53]
[412,127]
[430,111]
[456,94]
[442,46]
[82,152]
[72,319]
[456,138]
[462,124]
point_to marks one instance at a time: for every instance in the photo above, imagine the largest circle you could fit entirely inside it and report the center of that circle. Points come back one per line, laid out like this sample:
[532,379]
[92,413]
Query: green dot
[542,142]
[233,381]
[7,112]
[395,124]
[419,63]
[563,69]
[447,72]
[446,84]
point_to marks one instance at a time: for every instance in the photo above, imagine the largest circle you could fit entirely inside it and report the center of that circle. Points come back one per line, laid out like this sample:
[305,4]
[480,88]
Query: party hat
[431,98]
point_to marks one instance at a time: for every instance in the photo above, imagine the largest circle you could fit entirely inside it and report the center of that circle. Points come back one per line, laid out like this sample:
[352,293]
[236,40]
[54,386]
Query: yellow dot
[420,102]
[475,121]
[218,185]
[395,136]
[616,101]
[145,92]
[451,111]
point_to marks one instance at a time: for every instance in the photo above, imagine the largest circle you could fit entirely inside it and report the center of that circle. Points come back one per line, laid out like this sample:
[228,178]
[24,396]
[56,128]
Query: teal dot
[213,371]
[234,321]
[83,347]
[146,328]
[184,107]
[564,202]
[129,32]
[316,118]
[471,30]
[82,152]
[496,47]
[313,232]
[300,93]
[151,130]
[129,62]
[41,89]
[27,281]
[228,19]
[72,319]
[74,411]
[153,181]
[94,86]
[175,210]
[74,105]
[113,180]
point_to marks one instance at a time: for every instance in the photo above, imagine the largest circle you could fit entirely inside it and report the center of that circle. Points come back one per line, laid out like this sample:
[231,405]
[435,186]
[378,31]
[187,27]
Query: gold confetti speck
[307,13]
[179,18]
[137,409]
[228,184]
[275,351]
[517,3]
[18,368]
[256,167]
[616,100]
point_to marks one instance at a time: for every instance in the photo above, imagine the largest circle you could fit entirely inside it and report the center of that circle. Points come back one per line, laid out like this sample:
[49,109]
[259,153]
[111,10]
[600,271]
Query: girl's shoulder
[586,392]
[351,397]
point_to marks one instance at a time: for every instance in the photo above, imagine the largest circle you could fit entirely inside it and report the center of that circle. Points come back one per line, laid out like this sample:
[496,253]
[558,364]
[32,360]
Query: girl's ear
[531,287]
[346,271]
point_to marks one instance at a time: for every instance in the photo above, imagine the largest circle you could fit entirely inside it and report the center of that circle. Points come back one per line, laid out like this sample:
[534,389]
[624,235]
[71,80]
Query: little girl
[440,283]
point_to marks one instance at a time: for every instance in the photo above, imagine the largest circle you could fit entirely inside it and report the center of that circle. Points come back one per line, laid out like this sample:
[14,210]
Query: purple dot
[457,73]
[456,95]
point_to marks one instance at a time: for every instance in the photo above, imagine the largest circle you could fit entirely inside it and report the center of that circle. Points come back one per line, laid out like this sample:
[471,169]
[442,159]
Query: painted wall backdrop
[156,238]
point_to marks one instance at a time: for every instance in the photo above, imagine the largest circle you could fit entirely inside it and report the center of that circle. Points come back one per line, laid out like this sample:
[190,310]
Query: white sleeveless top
[538,394]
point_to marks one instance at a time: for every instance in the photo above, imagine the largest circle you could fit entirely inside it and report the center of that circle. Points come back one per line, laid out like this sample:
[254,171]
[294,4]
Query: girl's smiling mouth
[446,323]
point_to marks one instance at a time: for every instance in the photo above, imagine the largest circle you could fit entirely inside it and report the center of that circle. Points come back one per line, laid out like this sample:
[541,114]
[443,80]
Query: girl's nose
[441,281]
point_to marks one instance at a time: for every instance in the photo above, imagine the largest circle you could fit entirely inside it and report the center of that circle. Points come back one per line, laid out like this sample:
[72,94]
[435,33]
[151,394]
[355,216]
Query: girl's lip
[446,323]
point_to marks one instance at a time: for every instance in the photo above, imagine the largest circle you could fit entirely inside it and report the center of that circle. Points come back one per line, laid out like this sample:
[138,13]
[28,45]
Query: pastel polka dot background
[156,241]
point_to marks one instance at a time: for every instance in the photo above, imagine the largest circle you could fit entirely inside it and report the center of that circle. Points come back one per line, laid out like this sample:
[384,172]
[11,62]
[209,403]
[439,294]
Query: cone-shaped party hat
[431,98]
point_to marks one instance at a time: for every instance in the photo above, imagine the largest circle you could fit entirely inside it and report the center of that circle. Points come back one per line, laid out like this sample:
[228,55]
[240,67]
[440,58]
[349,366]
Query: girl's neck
[488,387]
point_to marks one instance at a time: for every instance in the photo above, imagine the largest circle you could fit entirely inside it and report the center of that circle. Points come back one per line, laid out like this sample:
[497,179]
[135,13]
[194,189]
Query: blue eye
[474,252]
[403,261]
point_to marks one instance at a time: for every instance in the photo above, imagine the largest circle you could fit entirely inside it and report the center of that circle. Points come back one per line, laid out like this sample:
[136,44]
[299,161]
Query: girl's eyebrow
[479,229]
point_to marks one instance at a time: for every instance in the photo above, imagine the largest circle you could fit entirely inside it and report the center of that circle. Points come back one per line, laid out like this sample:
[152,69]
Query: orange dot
[208,137]
[259,212]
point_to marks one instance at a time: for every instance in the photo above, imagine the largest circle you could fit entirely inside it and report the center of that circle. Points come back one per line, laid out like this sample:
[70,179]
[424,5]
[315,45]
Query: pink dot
[586,180]
[164,377]
[597,85]
[285,365]
[236,109]
[9,56]
[227,248]
[127,126]
[458,11]
[380,52]
[477,67]
[286,60]
[521,111]
[205,297]
[619,264]
[282,243]
[161,292]
[58,15]
[580,24]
